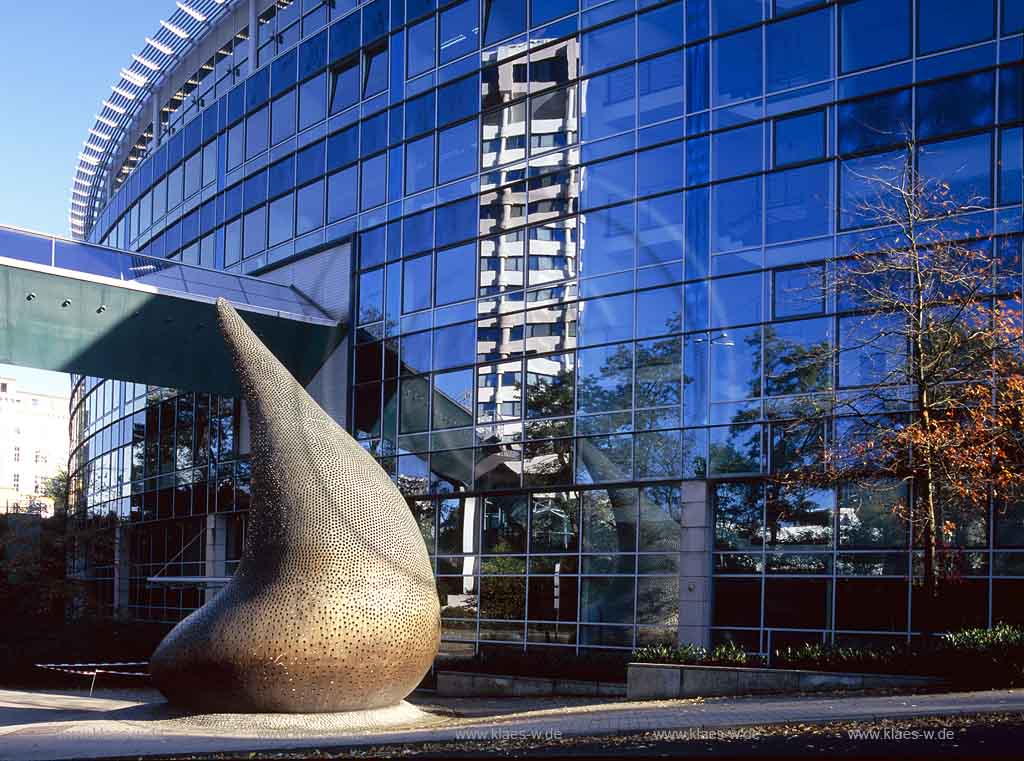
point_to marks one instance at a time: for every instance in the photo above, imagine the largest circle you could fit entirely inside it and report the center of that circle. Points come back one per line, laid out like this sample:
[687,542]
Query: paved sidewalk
[58,725]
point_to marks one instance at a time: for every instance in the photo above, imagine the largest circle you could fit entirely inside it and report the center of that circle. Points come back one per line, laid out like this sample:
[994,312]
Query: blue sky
[59,60]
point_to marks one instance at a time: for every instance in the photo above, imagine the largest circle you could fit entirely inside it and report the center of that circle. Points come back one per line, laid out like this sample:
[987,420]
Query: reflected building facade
[587,250]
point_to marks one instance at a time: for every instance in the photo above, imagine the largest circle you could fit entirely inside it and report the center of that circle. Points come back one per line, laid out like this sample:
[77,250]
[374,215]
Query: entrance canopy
[75,307]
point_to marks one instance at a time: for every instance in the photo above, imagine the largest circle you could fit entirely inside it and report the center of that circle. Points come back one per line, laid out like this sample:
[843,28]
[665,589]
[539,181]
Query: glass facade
[590,247]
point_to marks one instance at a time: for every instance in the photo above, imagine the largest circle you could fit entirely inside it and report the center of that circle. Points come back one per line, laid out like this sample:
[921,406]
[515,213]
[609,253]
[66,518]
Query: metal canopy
[75,307]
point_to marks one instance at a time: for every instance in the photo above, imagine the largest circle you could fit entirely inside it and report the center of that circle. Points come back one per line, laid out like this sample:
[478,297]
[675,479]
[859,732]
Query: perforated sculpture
[333,606]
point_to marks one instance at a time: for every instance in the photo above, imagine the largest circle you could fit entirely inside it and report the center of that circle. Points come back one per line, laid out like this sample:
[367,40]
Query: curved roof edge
[115,125]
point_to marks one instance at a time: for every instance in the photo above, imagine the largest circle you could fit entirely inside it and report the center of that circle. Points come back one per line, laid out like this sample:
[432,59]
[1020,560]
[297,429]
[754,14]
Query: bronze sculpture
[334,605]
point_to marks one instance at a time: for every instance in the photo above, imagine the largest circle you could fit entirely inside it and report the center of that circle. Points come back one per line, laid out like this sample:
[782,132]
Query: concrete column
[216,551]
[253,35]
[122,571]
[157,126]
[695,565]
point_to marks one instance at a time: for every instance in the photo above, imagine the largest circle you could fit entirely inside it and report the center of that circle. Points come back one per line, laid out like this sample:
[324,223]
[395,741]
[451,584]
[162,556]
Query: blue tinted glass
[455,273]
[1011,165]
[735,364]
[800,138]
[257,88]
[313,55]
[955,105]
[730,14]
[457,151]
[877,122]
[698,160]
[799,50]
[604,378]
[416,8]
[660,29]
[416,352]
[416,283]
[457,100]
[282,176]
[455,345]
[660,169]
[945,24]
[736,300]
[737,67]
[608,103]
[607,240]
[965,165]
[420,49]
[1013,16]
[232,201]
[503,18]
[419,164]
[660,82]
[282,117]
[862,187]
[697,233]
[419,115]
[345,86]
[697,74]
[797,203]
[458,30]
[457,221]
[660,229]
[344,37]
[309,205]
[281,220]
[608,46]
[310,162]
[1011,94]
[342,194]
[256,189]
[375,78]
[659,311]
[374,133]
[736,214]
[608,181]
[418,232]
[873,32]
[254,235]
[312,101]
[606,319]
[342,148]
[373,185]
[375,20]
[257,132]
[737,151]
[546,10]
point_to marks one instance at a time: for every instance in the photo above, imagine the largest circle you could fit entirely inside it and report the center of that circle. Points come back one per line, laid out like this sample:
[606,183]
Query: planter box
[647,681]
[460,684]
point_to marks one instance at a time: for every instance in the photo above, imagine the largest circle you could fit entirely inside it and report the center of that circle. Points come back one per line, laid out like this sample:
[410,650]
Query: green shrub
[682,655]
[727,654]
[983,657]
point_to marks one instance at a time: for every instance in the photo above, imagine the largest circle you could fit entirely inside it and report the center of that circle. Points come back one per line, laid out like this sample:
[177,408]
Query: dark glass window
[344,37]
[374,133]
[419,164]
[282,118]
[658,170]
[455,274]
[873,32]
[660,84]
[735,362]
[254,236]
[945,24]
[736,214]
[256,132]
[546,10]
[964,165]
[457,151]
[797,203]
[659,311]
[608,103]
[342,194]
[737,152]
[608,240]
[660,29]
[798,291]
[282,176]
[374,187]
[343,147]
[282,72]
[312,101]
[1011,165]
[660,229]
[255,189]
[420,47]
[503,18]
[459,30]
[344,85]
[309,203]
[800,138]
[313,55]
[375,70]
[608,46]
[799,50]
[877,122]
[375,20]
[457,100]
[309,162]
[419,115]
[736,300]
[416,282]
[732,14]
[282,220]
[698,74]
[955,105]
[862,193]
[737,60]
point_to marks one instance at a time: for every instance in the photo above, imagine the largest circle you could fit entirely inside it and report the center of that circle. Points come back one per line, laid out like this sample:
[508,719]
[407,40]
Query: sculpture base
[267,725]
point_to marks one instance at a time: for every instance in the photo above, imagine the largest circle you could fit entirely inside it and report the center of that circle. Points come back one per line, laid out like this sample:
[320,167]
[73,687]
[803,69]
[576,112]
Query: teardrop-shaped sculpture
[333,606]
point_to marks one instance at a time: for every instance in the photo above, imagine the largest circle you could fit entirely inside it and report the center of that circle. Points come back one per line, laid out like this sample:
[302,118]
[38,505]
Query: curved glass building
[580,248]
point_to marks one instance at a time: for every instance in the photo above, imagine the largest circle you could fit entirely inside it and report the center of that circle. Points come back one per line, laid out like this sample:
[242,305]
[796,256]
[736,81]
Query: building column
[216,552]
[253,36]
[122,571]
[695,565]
[155,100]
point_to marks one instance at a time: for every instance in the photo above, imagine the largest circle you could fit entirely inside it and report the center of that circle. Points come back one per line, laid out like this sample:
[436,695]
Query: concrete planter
[460,684]
[649,681]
